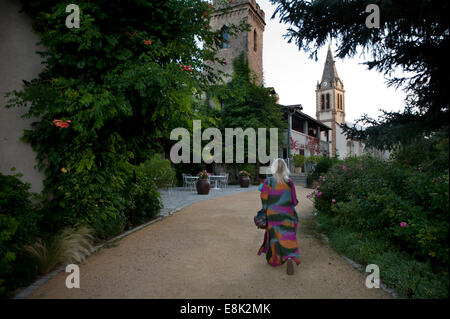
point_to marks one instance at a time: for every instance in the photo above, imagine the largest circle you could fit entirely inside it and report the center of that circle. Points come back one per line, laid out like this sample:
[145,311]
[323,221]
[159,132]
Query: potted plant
[298,160]
[203,185]
[244,178]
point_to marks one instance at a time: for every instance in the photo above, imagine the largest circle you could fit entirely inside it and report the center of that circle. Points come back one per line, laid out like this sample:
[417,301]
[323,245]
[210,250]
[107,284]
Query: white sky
[294,75]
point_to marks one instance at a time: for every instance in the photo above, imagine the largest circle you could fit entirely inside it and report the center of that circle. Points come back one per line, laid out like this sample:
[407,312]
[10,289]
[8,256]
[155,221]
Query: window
[225,37]
[328,101]
[255,40]
[322,102]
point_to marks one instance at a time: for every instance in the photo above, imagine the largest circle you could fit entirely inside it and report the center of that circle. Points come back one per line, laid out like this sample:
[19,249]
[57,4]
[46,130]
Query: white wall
[18,61]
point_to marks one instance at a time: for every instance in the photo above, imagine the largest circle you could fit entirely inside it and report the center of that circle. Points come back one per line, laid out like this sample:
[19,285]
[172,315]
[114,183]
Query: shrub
[409,277]
[160,170]
[375,197]
[19,219]
[144,201]
[298,160]
[321,165]
[107,225]
[407,207]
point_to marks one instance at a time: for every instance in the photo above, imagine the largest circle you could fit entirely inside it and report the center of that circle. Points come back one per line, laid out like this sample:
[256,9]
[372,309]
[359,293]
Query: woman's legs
[290,267]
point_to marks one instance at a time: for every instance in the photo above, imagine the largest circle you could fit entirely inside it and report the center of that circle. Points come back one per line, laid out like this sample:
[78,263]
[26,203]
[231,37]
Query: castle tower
[330,102]
[251,43]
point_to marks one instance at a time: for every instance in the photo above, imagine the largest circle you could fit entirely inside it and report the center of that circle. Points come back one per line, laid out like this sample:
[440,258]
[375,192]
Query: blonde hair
[280,170]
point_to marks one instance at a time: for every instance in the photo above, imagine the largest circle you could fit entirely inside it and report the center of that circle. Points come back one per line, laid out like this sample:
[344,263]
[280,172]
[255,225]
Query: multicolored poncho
[280,240]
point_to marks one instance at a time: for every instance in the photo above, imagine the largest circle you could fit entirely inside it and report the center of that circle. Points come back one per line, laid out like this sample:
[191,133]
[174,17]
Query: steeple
[330,100]
[330,75]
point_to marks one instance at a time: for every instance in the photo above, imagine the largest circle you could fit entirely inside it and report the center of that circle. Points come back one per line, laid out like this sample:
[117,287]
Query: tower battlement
[255,6]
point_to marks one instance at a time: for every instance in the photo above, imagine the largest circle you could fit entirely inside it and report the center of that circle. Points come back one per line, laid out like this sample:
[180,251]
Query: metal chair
[191,182]
[184,180]
[223,181]
[170,185]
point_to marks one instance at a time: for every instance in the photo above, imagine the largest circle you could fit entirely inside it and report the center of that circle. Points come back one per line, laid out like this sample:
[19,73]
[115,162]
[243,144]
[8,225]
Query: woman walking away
[279,200]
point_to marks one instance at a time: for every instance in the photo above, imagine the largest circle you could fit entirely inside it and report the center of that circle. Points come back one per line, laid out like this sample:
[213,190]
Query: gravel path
[209,250]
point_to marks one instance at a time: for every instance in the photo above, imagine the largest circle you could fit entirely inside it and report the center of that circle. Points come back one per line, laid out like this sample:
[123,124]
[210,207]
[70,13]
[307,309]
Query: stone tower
[330,101]
[251,43]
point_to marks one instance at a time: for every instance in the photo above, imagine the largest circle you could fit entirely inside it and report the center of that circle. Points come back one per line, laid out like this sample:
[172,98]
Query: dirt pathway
[209,250]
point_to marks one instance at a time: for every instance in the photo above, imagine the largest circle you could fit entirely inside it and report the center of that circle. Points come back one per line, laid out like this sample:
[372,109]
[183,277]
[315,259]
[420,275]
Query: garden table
[216,178]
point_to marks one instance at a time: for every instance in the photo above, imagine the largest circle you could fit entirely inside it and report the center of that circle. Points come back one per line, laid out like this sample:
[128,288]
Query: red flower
[147,42]
[231,2]
[186,67]
[131,35]
[61,123]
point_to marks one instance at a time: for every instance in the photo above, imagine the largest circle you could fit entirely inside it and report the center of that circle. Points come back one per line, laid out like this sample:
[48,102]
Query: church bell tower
[330,101]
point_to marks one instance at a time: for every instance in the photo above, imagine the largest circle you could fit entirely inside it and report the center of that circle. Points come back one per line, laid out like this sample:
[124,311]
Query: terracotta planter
[203,187]
[244,181]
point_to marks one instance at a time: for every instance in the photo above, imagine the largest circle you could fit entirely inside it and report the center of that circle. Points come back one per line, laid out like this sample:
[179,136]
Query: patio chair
[184,180]
[191,182]
[170,185]
[223,181]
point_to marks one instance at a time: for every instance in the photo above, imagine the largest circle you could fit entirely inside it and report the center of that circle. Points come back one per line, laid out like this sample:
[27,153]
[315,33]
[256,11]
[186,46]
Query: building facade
[308,136]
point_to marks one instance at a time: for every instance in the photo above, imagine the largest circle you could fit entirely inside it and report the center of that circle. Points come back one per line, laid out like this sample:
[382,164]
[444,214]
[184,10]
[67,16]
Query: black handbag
[261,219]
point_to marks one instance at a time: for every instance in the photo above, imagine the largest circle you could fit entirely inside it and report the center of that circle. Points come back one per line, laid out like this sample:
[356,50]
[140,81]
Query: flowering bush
[405,206]
[321,165]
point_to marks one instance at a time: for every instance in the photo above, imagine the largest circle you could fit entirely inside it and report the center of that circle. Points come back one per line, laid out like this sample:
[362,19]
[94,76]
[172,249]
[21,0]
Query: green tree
[245,104]
[125,78]
[413,37]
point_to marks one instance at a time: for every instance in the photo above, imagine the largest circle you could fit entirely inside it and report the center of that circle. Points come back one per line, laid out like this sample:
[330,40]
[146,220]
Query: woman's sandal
[290,267]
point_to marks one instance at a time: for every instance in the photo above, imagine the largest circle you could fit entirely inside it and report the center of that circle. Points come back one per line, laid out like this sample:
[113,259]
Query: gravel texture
[209,250]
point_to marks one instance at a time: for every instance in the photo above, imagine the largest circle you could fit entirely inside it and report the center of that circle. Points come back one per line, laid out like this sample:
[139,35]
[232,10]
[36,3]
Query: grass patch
[409,277]
[71,245]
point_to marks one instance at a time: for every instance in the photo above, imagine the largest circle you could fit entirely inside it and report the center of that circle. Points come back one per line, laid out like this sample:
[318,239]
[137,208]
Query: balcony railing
[302,141]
